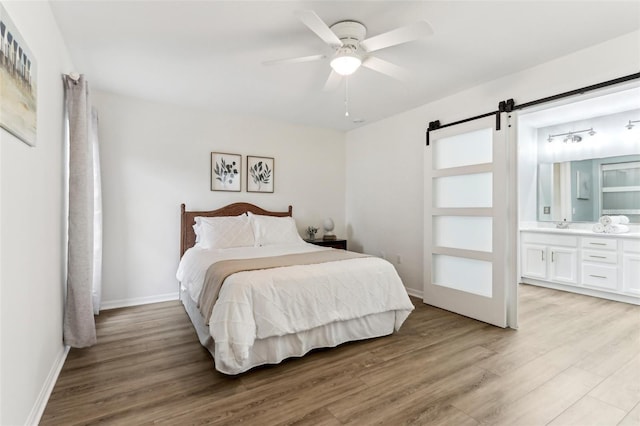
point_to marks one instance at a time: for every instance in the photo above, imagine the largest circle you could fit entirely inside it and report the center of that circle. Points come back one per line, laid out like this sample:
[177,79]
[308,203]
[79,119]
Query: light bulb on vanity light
[631,124]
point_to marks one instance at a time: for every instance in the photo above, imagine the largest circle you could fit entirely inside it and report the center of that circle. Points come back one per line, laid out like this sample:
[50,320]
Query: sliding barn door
[466,222]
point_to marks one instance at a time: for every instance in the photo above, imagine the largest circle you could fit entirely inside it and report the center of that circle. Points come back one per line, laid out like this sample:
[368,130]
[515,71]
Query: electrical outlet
[398,259]
[383,255]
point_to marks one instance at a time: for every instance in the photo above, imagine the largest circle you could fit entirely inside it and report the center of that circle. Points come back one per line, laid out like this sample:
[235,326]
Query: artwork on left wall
[18,83]
[225,171]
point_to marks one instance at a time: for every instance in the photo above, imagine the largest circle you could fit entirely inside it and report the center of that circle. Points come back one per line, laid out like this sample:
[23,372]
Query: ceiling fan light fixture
[346,62]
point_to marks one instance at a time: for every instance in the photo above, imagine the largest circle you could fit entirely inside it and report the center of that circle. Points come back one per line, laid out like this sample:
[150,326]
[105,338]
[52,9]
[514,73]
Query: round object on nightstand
[328,228]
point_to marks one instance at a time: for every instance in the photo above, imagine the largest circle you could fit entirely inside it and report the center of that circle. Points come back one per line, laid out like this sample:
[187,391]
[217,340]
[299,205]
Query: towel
[598,227]
[614,220]
[616,229]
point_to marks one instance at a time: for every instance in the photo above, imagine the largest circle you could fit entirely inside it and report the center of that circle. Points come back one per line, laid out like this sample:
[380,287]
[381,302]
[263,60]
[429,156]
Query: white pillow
[270,230]
[224,232]
[196,230]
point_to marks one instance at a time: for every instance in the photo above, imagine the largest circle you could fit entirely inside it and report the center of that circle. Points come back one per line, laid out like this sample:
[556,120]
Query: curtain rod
[509,105]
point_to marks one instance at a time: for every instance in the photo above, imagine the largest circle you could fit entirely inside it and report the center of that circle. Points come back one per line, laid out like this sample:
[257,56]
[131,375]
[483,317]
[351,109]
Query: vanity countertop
[580,231]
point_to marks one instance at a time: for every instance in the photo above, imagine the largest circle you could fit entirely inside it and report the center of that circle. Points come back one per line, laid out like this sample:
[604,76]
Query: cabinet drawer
[632,246]
[600,256]
[549,239]
[601,276]
[600,243]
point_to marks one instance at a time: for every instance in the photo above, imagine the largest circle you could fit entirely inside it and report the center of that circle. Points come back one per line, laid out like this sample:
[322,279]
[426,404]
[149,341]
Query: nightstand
[337,243]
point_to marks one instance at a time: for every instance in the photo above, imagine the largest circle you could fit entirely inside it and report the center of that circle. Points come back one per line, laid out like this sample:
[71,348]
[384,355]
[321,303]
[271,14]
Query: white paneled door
[468,221]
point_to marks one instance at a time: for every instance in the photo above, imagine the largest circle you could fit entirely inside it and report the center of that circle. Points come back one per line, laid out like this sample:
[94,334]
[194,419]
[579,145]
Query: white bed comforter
[275,302]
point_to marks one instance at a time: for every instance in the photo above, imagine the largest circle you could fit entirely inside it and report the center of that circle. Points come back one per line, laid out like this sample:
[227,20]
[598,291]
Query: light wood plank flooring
[574,361]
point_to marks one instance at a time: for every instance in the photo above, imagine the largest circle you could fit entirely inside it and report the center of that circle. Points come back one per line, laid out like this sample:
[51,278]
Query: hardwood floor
[574,361]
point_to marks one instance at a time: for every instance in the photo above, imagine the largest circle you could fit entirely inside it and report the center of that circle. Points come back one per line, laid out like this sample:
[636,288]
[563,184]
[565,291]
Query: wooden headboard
[188,236]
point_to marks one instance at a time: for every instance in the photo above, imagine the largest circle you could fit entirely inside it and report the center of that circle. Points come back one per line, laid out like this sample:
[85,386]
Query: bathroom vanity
[581,261]
[573,181]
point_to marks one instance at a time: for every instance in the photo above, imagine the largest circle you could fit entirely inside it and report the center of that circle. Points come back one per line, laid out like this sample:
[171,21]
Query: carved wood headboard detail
[188,236]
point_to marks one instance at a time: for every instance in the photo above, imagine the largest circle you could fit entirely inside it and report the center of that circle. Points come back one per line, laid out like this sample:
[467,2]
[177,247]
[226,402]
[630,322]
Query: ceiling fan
[353,50]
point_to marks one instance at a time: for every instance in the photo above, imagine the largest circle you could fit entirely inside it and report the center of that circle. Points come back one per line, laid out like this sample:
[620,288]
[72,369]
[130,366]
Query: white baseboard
[112,304]
[413,292]
[47,388]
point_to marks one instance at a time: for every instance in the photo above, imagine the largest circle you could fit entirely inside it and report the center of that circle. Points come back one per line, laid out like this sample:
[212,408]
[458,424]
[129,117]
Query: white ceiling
[209,54]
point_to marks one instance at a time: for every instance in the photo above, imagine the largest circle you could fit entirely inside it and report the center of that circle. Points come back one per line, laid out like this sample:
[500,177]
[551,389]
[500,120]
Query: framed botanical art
[260,174]
[18,83]
[225,171]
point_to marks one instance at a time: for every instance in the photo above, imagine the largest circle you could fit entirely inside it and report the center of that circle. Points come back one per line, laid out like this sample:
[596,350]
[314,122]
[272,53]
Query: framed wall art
[225,171]
[18,83]
[260,174]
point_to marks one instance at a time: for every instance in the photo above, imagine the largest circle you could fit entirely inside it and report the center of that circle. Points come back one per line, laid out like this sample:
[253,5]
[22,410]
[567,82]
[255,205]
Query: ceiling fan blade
[398,36]
[317,25]
[294,60]
[386,68]
[332,82]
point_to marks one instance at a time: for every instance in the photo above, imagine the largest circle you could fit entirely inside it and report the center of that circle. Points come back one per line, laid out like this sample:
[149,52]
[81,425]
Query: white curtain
[85,217]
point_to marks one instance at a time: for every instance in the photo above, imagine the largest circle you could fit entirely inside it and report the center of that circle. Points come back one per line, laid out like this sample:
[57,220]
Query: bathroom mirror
[582,191]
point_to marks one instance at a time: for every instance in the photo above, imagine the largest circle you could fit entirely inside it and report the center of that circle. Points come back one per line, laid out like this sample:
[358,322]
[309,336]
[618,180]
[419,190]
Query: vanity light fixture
[631,124]
[572,136]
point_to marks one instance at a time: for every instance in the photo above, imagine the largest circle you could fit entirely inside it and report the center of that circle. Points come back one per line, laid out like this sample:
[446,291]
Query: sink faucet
[563,225]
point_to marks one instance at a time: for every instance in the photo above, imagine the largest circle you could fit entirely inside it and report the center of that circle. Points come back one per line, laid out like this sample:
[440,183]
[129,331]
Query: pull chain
[346,96]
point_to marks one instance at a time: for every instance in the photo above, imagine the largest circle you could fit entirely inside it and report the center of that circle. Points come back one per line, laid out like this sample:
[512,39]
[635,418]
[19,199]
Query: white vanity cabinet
[603,265]
[600,263]
[534,261]
[550,257]
[631,267]
[563,266]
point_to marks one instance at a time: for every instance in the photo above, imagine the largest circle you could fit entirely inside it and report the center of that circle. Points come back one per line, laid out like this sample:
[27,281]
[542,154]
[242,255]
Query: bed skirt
[273,350]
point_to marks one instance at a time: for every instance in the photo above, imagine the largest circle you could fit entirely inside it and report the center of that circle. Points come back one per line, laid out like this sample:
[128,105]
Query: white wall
[32,224]
[157,156]
[384,209]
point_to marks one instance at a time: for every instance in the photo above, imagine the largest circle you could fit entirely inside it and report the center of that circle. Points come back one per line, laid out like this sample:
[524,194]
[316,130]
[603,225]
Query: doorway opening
[579,162]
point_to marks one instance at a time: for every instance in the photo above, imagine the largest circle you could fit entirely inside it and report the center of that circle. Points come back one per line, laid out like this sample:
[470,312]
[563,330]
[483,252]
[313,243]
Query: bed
[257,294]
